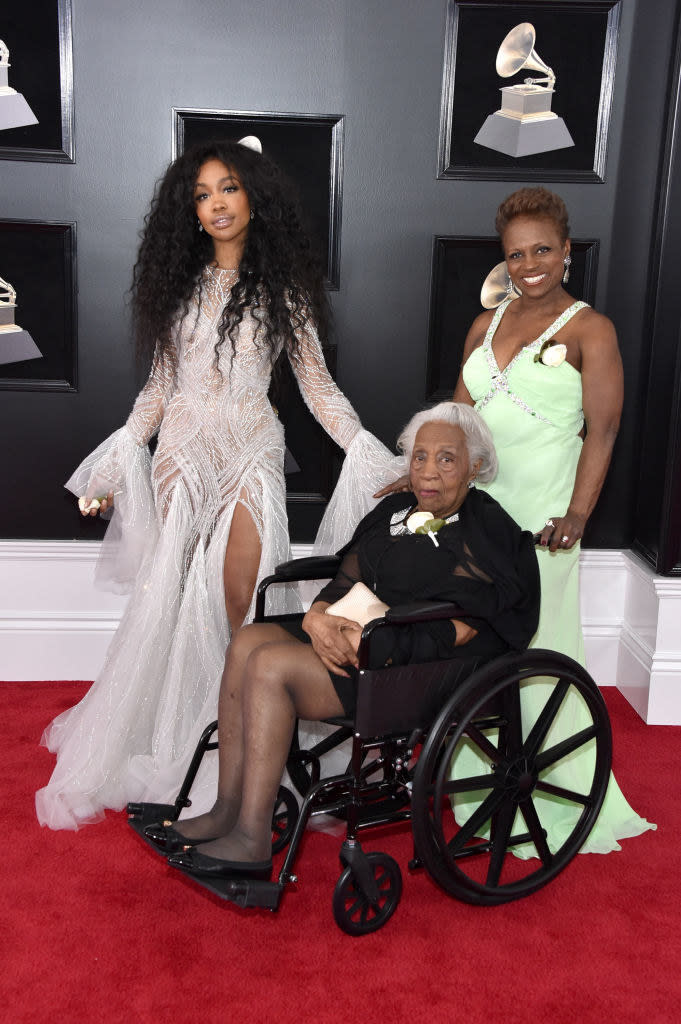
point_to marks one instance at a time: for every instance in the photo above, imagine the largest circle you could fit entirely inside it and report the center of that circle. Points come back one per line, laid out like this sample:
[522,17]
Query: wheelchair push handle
[315,567]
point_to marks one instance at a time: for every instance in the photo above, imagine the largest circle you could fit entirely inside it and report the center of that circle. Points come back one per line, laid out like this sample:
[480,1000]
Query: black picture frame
[312,459]
[577,38]
[39,38]
[38,258]
[460,265]
[307,147]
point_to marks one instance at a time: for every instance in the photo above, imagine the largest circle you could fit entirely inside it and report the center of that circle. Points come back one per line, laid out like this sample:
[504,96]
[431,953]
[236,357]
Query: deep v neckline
[554,326]
[218,283]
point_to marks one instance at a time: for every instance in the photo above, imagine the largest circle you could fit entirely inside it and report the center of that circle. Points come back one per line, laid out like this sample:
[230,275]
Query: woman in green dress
[545,373]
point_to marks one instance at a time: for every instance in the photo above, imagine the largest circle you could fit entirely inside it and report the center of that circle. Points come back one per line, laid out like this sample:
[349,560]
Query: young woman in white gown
[224,282]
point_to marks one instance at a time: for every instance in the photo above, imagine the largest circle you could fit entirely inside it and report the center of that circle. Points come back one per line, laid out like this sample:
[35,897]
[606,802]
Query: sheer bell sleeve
[122,464]
[368,464]
[149,408]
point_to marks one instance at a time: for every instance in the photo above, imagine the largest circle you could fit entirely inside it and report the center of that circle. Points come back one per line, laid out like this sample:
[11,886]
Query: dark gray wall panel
[378,63]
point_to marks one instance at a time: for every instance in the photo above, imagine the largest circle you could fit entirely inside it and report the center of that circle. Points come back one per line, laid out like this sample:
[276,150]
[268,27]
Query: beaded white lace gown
[219,442]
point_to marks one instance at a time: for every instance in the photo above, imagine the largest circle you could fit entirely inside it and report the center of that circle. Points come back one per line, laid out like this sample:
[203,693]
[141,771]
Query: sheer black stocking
[282,679]
[224,812]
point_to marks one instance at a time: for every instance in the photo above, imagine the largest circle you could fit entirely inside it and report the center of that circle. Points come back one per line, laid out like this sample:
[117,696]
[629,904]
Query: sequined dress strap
[499,378]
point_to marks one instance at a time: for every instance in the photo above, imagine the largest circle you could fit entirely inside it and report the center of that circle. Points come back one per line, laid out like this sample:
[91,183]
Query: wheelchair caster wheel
[284,819]
[353,911]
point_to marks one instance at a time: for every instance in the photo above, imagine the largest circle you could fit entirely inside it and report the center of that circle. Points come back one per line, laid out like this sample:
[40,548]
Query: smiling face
[534,254]
[440,469]
[222,207]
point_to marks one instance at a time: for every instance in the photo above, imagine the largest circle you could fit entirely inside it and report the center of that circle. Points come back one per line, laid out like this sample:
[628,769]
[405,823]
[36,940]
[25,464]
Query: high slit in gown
[219,442]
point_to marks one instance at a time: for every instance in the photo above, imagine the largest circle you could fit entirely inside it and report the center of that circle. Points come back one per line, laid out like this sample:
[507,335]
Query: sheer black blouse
[483,562]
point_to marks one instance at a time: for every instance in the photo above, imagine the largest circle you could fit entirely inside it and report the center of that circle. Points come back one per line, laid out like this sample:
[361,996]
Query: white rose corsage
[425,523]
[552,353]
[86,506]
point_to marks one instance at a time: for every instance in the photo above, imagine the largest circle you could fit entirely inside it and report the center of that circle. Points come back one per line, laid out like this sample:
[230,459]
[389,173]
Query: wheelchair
[444,745]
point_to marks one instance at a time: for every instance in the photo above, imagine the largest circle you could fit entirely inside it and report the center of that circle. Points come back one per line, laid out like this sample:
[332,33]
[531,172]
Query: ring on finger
[550,522]
[565,538]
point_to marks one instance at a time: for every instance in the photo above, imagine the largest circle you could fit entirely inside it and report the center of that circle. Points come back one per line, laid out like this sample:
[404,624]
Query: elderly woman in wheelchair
[473,573]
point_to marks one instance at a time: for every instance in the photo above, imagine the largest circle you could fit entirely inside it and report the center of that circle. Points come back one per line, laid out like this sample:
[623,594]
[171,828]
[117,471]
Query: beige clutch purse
[359,604]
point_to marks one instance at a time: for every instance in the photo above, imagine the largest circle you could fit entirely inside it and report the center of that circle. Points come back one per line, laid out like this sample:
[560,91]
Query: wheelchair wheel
[284,819]
[353,911]
[500,806]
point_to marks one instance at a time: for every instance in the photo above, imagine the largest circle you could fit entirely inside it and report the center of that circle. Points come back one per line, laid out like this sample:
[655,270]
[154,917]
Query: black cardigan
[484,563]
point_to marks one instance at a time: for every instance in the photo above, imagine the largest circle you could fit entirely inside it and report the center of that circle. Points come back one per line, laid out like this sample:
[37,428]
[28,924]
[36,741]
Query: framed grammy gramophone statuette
[308,147]
[36,81]
[38,328]
[527,89]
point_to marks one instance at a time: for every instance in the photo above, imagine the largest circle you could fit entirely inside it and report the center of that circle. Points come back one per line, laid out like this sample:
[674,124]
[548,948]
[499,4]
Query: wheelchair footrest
[141,815]
[244,892]
[149,814]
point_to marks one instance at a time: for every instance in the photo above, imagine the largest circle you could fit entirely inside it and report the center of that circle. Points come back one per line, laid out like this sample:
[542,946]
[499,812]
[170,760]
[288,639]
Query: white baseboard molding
[55,625]
[649,666]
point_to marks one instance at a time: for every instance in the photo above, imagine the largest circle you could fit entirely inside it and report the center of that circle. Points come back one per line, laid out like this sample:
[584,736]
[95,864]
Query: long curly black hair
[280,278]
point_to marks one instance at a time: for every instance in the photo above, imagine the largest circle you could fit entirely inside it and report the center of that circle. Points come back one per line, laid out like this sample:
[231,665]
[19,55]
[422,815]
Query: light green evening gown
[535,414]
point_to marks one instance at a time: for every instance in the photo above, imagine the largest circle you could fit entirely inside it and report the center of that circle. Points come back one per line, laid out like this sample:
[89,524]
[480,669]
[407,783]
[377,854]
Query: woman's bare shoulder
[483,320]
[594,326]
[478,329]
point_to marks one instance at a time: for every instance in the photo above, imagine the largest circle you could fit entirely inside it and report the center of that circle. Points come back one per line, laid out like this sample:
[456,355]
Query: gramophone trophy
[525,124]
[14,110]
[16,344]
[497,287]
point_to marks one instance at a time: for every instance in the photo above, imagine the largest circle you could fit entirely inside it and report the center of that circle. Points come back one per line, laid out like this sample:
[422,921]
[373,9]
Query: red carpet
[97,928]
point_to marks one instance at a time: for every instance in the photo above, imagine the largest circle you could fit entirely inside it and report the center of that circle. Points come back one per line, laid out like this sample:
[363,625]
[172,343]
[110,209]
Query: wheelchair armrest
[405,615]
[316,567]
[422,611]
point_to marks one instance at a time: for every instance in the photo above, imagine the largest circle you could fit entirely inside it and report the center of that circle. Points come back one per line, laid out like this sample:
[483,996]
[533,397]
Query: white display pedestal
[16,345]
[15,111]
[525,124]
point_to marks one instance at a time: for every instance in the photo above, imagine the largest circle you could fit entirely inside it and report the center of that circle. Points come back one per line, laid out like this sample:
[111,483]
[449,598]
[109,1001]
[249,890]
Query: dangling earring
[200,225]
[471,482]
[252,214]
[566,263]
[511,289]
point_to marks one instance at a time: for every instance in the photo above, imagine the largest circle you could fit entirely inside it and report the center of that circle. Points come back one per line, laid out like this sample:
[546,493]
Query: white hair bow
[251,142]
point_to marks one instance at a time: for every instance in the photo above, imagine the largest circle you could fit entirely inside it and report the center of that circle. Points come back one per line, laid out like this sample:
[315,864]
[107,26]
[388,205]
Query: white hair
[478,435]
